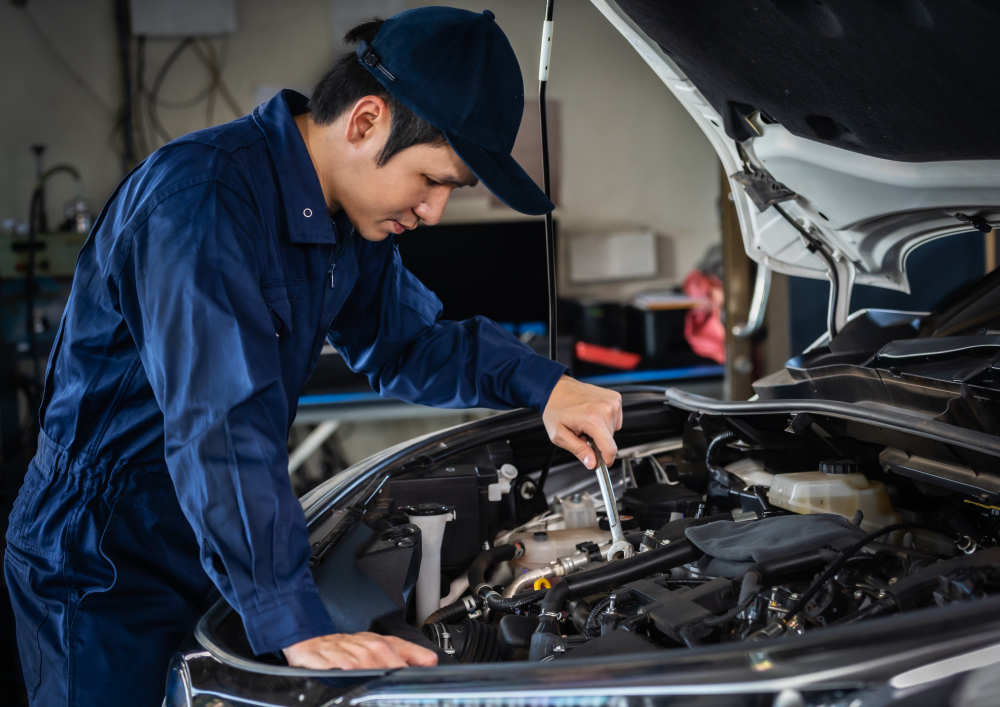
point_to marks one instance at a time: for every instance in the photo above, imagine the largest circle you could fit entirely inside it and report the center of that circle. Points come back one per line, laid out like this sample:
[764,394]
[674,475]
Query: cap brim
[503,176]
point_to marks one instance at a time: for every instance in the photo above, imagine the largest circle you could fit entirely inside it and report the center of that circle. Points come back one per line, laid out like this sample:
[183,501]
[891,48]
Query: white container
[751,472]
[579,511]
[431,520]
[841,494]
[540,552]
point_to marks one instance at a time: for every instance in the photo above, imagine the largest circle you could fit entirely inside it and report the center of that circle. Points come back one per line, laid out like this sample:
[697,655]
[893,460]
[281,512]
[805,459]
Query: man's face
[412,188]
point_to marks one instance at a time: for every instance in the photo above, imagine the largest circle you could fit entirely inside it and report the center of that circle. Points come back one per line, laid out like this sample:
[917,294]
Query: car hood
[872,124]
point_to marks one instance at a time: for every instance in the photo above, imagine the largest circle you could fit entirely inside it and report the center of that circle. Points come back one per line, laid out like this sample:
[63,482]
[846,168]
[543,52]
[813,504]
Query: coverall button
[307,212]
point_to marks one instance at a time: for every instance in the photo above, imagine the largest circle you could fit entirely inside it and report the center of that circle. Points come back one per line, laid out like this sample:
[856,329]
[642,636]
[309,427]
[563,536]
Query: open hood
[852,132]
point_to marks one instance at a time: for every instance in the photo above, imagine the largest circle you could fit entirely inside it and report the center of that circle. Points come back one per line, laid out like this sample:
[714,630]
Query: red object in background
[612,358]
[703,327]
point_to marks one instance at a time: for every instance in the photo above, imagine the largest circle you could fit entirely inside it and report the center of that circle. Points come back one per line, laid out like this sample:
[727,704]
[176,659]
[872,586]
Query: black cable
[815,246]
[550,240]
[876,608]
[595,612]
[67,66]
[153,99]
[126,118]
[849,552]
[544,476]
[723,477]
[508,604]
[140,75]
[734,612]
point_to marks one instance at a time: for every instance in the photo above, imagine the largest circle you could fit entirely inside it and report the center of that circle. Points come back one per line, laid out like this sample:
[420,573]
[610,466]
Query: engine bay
[737,533]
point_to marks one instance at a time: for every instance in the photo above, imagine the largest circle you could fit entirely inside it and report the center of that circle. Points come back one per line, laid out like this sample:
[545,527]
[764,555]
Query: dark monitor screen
[496,270]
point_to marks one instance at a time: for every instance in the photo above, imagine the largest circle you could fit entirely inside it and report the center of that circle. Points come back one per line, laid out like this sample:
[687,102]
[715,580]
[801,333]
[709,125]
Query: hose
[494,601]
[720,475]
[507,605]
[601,606]
[687,635]
[849,552]
[746,598]
[487,558]
[882,606]
[616,573]
[447,614]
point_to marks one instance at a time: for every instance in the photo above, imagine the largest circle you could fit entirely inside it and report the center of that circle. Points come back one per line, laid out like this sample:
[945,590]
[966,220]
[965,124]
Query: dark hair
[348,82]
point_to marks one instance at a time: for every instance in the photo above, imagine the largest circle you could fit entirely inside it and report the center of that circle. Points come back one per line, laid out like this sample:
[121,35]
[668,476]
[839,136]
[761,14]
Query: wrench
[620,547]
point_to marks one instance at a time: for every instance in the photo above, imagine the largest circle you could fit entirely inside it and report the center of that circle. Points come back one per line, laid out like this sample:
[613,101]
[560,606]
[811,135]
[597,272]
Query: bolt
[576,498]
[858,595]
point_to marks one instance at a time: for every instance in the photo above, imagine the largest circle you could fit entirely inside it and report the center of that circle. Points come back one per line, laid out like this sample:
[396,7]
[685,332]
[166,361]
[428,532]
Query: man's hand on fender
[575,409]
[357,651]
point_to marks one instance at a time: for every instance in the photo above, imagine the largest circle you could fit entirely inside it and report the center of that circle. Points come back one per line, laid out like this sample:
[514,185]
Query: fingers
[619,412]
[581,449]
[575,445]
[357,651]
[376,651]
[602,437]
[575,409]
[412,653]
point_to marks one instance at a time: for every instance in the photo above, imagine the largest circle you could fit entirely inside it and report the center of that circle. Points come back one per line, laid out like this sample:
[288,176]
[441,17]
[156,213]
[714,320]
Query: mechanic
[199,307]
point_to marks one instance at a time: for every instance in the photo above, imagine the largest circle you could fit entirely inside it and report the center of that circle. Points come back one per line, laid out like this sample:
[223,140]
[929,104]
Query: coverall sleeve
[389,328]
[190,294]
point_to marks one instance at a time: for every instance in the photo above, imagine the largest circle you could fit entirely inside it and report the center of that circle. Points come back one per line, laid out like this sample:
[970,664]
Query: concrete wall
[631,155]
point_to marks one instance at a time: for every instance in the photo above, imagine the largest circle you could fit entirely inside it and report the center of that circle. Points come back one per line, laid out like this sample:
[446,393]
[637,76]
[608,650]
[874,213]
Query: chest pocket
[285,302]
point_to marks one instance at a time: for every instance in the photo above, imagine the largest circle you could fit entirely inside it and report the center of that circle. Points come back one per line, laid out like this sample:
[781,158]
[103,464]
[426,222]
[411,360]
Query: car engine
[729,541]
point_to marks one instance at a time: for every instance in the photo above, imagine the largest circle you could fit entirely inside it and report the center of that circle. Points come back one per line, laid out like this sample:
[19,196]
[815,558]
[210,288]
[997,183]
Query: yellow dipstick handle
[542,583]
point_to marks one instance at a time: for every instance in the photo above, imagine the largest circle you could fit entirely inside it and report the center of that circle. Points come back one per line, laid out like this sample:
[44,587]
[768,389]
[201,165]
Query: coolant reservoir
[542,547]
[579,511]
[839,489]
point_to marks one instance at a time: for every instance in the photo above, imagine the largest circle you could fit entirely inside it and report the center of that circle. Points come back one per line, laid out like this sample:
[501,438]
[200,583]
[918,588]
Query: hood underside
[872,124]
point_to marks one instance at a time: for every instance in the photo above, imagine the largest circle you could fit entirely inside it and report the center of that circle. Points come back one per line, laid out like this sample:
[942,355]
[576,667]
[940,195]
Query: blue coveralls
[199,307]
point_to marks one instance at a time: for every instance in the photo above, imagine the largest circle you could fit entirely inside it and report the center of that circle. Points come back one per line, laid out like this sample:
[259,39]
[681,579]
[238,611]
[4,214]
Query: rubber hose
[734,612]
[687,635]
[507,605]
[448,614]
[485,560]
[601,606]
[856,547]
[722,476]
[883,605]
[617,573]
[768,571]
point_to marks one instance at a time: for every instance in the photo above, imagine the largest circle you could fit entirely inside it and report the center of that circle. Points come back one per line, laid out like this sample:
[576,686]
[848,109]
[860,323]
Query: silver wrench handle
[620,547]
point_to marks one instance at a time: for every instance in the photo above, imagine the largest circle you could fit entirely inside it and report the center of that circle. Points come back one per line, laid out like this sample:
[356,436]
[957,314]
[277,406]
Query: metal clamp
[620,547]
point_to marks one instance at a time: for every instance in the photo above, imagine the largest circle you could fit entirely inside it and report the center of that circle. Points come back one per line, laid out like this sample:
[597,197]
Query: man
[199,307]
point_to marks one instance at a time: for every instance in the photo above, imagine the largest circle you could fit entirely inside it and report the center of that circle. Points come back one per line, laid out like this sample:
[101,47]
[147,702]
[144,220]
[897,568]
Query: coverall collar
[305,207]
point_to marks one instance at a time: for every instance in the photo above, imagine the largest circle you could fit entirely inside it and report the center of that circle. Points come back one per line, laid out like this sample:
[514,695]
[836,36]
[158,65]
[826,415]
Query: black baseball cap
[456,70]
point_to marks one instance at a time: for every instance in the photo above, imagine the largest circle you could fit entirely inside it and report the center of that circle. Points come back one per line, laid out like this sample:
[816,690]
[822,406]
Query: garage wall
[631,155]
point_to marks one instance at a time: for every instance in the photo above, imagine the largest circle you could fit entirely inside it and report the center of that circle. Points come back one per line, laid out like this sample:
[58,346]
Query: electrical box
[462,486]
[183,18]
[625,255]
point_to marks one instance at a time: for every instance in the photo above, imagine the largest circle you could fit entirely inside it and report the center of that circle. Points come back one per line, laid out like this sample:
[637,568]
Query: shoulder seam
[180,187]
